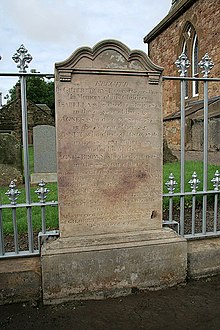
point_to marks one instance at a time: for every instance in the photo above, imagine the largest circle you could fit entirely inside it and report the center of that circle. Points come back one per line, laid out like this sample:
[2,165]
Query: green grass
[21,213]
[190,167]
[31,158]
[52,212]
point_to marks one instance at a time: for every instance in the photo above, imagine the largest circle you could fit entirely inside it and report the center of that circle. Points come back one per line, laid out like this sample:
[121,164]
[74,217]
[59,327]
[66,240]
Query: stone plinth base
[203,257]
[100,266]
[20,280]
[46,177]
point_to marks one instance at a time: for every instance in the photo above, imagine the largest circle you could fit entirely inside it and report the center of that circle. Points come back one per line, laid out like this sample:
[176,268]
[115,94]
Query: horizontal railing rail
[13,194]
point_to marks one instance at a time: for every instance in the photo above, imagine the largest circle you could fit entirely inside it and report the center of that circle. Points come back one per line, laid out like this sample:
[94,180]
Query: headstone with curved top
[109,144]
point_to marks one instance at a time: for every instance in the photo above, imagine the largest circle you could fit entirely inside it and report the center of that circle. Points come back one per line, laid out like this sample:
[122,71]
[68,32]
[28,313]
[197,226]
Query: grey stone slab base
[46,177]
[203,257]
[105,266]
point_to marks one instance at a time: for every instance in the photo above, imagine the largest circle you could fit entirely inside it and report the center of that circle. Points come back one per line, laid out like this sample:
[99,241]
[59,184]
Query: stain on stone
[141,175]
[153,214]
[126,185]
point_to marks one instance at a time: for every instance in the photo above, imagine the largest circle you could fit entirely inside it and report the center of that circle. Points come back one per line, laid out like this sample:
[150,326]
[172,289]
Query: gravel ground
[195,305]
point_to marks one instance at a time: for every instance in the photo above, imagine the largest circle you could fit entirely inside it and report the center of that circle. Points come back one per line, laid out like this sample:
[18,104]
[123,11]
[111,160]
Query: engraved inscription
[109,134]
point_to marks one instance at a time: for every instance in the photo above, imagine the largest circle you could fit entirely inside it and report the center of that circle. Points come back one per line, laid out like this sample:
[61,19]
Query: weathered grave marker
[109,143]
[45,163]
[10,159]
[109,149]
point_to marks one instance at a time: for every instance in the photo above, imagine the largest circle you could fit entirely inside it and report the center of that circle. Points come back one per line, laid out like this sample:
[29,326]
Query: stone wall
[20,280]
[11,122]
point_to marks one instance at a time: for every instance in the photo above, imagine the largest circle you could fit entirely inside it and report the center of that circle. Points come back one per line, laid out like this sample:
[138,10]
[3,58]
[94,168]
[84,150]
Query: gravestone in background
[10,160]
[109,144]
[44,143]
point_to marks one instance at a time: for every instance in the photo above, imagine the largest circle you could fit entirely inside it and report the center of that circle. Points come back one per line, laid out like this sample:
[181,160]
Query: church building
[192,27]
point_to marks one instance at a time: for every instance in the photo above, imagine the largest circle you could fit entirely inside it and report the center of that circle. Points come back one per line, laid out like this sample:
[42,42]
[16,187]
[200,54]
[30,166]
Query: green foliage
[39,90]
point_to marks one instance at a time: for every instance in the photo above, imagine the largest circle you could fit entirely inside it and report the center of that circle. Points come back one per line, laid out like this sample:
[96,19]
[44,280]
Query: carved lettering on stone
[109,141]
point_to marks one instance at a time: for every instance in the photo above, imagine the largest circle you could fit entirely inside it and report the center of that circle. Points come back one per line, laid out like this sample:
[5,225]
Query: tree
[39,90]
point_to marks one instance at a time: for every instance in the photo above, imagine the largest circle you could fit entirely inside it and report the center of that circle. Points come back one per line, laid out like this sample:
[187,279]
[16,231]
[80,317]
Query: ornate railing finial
[216,181]
[182,64]
[206,64]
[22,57]
[42,191]
[171,184]
[12,193]
[194,182]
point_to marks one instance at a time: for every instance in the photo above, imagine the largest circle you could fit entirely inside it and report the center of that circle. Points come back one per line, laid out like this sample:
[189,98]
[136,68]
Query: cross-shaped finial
[216,181]
[194,182]
[206,64]
[13,193]
[22,57]
[42,191]
[182,64]
[171,184]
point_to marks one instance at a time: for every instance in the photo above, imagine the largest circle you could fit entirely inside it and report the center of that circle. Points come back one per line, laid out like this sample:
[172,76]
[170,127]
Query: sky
[51,30]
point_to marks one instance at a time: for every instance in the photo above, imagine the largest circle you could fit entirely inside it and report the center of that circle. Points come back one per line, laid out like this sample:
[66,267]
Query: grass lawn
[52,212]
[190,167]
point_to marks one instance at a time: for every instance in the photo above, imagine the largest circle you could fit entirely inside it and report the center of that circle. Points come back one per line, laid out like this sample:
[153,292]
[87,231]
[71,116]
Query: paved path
[193,306]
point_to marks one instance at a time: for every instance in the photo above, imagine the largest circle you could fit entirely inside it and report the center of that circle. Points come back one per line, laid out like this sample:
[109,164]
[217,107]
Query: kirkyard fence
[22,58]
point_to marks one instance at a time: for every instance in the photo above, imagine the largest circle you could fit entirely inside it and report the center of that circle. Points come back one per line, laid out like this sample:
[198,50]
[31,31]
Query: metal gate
[205,65]
[22,58]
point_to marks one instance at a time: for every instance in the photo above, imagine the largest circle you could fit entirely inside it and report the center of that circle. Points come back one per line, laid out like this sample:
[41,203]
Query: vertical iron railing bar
[194,183]
[15,228]
[171,184]
[206,65]
[193,214]
[22,57]
[215,213]
[182,64]
[2,245]
[205,157]
[26,161]
[13,194]
[216,185]
[43,218]
[171,209]
[42,195]
[182,156]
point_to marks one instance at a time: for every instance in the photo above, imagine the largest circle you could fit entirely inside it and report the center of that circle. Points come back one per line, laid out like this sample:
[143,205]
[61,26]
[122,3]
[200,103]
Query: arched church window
[185,51]
[190,47]
[195,65]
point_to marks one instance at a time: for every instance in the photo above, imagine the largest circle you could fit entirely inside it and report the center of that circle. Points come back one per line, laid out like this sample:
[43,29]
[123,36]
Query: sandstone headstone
[109,143]
[109,134]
